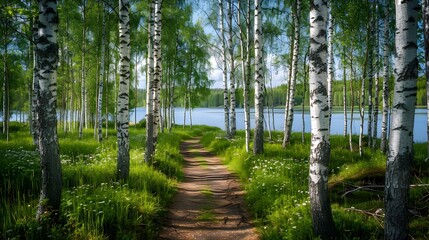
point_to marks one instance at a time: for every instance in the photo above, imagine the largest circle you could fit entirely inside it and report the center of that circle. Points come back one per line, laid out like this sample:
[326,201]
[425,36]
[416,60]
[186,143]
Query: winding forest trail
[209,202]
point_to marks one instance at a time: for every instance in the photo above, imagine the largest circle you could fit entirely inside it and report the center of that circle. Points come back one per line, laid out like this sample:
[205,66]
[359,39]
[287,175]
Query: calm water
[215,117]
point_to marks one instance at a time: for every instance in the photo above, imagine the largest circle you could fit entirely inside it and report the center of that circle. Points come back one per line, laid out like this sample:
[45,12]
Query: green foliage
[94,205]
[277,187]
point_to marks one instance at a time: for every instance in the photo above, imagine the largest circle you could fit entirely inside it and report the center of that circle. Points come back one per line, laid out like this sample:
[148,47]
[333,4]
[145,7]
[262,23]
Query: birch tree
[122,124]
[258,142]
[323,223]
[149,150]
[224,70]
[231,71]
[47,60]
[157,74]
[35,85]
[330,59]
[291,96]
[370,74]
[376,77]
[101,79]
[244,52]
[383,143]
[83,74]
[401,133]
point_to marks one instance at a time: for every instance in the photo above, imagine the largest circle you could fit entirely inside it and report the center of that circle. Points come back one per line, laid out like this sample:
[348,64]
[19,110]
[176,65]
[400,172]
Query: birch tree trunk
[232,116]
[258,142]
[294,70]
[83,88]
[246,86]
[47,58]
[224,71]
[101,78]
[377,85]
[345,92]
[362,116]
[323,223]
[401,134]
[370,75]
[330,60]
[122,125]
[352,106]
[244,76]
[383,143]
[304,86]
[157,75]
[149,150]
[35,85]
[426,44]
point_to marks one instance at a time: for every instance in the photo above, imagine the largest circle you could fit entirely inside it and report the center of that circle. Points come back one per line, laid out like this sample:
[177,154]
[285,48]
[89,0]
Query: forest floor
[209,202]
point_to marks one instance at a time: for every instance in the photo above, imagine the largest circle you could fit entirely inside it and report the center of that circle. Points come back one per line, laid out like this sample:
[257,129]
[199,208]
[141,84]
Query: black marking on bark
[322,33]
[401,128]
[410,45]
[411,20]
[401,106]
[410,71]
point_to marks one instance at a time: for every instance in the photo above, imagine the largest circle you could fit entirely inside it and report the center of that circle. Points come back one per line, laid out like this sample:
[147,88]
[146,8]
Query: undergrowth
[94,204]
[277,187]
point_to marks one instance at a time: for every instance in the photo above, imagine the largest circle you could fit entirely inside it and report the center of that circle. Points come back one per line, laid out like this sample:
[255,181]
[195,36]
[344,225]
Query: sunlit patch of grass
[374,167]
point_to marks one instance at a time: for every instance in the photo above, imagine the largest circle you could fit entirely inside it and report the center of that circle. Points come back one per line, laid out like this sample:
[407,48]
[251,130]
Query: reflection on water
[215,117]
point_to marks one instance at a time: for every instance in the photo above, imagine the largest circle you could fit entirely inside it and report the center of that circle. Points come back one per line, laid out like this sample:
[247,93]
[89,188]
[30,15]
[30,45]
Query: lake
[215,117]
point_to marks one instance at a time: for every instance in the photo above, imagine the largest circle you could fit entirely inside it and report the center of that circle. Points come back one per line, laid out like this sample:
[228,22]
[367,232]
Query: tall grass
[94,204]
[277,187]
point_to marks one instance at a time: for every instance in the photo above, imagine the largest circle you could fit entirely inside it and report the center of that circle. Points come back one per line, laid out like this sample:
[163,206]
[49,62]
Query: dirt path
[209,202]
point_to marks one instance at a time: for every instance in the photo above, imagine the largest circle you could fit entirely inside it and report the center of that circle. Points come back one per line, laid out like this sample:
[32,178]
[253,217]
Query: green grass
[94,204]
[277,186]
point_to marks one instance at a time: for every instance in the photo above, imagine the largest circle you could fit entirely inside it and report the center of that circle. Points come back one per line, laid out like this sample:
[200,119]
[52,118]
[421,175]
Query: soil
[209,202]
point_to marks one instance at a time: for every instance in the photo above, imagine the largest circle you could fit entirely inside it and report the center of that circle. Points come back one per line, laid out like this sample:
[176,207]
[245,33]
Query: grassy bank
[94,204]
[277,187]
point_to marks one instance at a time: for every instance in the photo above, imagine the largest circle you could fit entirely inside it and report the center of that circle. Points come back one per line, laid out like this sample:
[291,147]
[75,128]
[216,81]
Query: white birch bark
[323,224]
[83,88]
[35,85]
[330,60]
[384,123]
[246,86]
[224,70]
[258,141]
[402,122]
[101,77]
[122,124]
[294,70]
[376,76]
[47,58]
[149,150]
[245,80]
[232,114]
[371,75]
[345,93]
[157,75]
